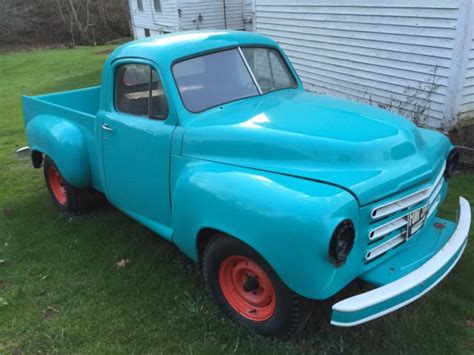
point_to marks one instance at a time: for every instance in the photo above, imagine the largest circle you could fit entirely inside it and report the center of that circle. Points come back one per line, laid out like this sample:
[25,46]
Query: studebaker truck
[284,196]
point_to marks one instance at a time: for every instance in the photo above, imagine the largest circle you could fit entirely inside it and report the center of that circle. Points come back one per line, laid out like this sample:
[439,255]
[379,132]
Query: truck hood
[370,152]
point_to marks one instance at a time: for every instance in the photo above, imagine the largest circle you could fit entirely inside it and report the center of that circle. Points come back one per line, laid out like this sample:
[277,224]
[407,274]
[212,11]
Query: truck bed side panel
[62,125]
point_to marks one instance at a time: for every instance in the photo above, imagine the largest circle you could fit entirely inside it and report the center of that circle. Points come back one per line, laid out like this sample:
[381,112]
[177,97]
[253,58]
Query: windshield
[216,78]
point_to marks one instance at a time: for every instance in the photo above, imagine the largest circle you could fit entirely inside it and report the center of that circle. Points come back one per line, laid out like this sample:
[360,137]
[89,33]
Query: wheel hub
[251,284]
[247,288]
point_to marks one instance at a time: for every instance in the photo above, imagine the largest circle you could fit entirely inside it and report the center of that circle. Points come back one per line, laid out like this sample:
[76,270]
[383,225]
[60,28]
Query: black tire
[74,200]
[290,310]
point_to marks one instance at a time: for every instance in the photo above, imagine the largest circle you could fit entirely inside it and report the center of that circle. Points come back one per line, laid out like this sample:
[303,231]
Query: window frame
[159,5]
[238,47]
[160,80]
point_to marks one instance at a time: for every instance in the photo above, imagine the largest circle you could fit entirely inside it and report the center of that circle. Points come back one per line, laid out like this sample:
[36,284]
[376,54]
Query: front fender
[287,220]
[64,143]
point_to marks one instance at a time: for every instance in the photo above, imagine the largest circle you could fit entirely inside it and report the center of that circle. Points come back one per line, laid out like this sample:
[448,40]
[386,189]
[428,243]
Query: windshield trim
[257,85]
[238,47]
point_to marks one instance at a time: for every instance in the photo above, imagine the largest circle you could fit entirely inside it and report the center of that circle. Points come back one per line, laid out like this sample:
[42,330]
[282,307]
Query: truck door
[136,137]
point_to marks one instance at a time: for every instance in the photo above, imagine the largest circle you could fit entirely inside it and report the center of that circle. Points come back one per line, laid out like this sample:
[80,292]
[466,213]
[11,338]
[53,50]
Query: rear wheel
[66,197]
[247,289]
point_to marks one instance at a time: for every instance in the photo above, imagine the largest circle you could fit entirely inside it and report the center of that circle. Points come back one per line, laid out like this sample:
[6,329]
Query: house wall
[156,22]
[141,19]
[249,15]
[168,20]
[404,55]
[212,12]
[467,98]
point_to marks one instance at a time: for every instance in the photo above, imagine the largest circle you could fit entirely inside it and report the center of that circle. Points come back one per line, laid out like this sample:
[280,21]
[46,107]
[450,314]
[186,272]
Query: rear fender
[64,143]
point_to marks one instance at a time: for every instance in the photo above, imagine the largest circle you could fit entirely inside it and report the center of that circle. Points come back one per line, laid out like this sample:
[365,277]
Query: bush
[46,22]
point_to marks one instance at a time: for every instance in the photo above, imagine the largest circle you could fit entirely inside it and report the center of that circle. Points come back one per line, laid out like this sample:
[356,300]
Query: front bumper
[406,289]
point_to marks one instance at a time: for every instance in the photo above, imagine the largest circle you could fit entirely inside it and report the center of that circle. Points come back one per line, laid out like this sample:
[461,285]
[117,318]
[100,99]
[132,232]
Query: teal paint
[278,171]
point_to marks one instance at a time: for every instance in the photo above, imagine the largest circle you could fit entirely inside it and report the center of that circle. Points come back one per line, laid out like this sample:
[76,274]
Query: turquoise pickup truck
[283,196]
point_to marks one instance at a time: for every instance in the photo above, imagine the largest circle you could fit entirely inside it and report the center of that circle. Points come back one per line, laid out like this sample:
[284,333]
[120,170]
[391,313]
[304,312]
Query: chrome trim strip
[23,153]
[250,70]
[433,207]
[385,246]
[436,192]
[407,201]
[456,243]
[387,228]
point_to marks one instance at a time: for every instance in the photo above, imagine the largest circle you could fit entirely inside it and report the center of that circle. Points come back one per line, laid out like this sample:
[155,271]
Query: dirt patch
[18,48]
[105,51]
[439,226]
[49,313]
[463,136]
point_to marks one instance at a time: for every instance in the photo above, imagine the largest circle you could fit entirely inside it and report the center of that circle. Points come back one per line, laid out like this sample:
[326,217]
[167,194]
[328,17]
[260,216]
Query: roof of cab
[169,47]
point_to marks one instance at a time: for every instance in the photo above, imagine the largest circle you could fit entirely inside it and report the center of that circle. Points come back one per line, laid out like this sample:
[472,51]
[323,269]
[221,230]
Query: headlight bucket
[341,242]
[451,163]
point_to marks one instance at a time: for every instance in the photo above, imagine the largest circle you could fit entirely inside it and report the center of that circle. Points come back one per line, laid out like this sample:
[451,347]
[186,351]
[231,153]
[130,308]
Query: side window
[138,91]
[269,68]
[158,103]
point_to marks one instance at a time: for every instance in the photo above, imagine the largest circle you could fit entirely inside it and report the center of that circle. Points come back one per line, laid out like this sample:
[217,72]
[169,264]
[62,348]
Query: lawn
[61,290]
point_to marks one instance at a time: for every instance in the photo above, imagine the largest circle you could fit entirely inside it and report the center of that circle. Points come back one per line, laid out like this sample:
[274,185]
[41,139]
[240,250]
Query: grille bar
[387,228]
[400,225]
[407,201]
[384,247]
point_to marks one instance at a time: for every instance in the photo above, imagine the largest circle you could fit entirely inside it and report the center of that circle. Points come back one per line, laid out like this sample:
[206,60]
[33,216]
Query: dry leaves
[49,313]
[470,323]
[123,263]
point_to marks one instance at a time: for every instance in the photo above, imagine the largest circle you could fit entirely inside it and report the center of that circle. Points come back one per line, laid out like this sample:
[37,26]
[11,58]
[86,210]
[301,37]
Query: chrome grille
[408,201]
[395,230]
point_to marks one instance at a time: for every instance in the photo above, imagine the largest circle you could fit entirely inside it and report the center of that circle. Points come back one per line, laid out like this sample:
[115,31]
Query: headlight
[341,243]
[451,163]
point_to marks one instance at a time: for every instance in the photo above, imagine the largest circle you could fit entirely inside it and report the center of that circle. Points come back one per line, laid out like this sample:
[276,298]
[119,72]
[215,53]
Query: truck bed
[79,106]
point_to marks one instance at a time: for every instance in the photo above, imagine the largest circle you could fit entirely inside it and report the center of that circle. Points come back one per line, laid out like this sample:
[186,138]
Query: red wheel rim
[247,288]
[56,183]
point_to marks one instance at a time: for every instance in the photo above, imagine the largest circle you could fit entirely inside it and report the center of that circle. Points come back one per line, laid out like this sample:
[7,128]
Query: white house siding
[141,19]
[467,96]
[249,15]
[393,54]
[169,20]
[212,12]
[156,22]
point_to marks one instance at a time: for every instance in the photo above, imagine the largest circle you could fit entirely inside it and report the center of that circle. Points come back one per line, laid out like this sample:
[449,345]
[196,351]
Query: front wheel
[66,197]
[247,289]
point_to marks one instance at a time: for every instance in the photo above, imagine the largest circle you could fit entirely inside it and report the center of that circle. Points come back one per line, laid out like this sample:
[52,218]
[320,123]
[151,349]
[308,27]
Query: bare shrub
[33,22]
[416,105]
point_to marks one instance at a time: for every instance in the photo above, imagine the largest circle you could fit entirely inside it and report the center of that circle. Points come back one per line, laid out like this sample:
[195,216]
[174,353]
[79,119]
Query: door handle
[106,127]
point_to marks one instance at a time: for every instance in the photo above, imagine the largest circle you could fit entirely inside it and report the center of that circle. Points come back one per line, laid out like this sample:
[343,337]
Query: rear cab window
[138,91]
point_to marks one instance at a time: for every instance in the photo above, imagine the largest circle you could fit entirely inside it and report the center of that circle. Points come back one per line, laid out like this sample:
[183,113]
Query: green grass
[157,303]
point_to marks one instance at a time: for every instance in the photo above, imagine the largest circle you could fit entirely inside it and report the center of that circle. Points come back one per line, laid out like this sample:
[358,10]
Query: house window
[138,91]
[147,32]
[157,5]
[140,5]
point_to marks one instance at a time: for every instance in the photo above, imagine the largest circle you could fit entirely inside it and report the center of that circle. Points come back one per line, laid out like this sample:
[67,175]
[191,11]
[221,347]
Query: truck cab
[210,140]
